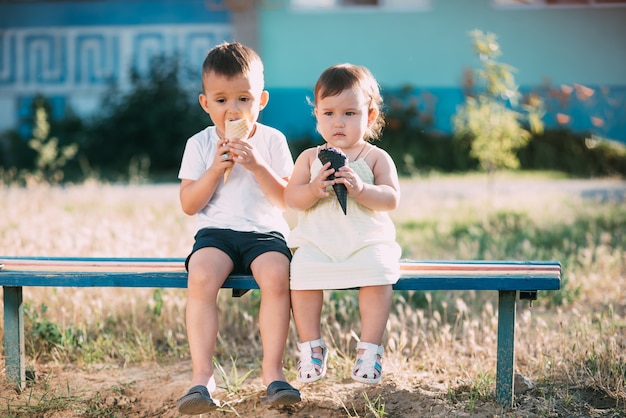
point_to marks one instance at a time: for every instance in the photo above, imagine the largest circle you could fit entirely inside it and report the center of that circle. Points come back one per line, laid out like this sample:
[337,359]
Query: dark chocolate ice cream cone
[342,196]
[337,160]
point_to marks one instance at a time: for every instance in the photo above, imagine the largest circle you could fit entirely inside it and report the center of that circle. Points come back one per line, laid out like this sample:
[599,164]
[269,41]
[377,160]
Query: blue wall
[107,12]
[429,49]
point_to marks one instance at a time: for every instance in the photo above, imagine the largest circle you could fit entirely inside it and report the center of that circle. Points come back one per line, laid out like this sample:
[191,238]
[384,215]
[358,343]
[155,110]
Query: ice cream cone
[235,129]
[337,160]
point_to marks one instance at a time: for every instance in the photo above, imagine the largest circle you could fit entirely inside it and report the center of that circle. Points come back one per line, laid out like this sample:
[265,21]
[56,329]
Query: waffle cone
[235,129]
[337,160]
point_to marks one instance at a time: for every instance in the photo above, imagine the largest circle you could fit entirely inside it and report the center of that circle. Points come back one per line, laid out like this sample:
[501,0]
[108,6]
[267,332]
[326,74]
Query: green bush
[143,129]
[15,152]
[141,133]
[415,148]
[409,139]
[577,154]
[147,125]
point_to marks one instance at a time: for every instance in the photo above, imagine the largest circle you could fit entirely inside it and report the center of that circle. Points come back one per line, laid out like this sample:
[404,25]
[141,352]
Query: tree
[488,119]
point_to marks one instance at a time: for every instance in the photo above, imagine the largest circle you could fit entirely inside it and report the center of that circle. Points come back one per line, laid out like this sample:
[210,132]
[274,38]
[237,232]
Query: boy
[240,224]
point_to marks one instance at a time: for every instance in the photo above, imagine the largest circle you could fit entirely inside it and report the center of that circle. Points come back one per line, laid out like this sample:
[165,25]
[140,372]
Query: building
[573,51]
[70,51]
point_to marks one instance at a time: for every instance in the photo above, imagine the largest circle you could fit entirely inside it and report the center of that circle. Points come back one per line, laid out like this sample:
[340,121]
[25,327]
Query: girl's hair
[342,77]
[233,59]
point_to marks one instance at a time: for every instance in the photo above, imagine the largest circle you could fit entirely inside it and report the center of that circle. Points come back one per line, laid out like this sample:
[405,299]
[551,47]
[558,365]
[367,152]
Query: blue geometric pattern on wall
[147,45]
[96,59]
[71,60]
[197,44]
[45,59]
[7,58]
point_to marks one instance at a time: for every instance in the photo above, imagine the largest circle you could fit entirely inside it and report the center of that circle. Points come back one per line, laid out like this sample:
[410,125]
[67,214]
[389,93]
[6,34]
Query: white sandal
[312,365]
[368,367]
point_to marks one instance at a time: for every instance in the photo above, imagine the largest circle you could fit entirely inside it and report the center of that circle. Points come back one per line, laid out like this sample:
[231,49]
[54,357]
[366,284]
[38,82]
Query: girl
[333,250]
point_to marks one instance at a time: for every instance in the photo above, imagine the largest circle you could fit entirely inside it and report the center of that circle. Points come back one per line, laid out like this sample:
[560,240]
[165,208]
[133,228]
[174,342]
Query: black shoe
[282,393]
[197,401]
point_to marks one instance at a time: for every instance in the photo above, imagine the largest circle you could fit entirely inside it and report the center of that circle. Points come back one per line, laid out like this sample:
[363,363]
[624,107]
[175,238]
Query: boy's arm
[195,194]
[272,185]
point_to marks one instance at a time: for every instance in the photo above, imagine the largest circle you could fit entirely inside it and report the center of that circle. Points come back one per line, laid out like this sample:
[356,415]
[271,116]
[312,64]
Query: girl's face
[343,119]
[232,98]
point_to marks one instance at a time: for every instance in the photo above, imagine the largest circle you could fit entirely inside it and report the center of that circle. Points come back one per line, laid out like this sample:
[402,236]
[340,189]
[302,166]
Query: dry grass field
[123,353]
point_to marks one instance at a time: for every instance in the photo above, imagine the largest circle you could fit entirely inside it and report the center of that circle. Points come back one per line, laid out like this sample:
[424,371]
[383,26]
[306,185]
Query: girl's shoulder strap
[368,151]
[317,153]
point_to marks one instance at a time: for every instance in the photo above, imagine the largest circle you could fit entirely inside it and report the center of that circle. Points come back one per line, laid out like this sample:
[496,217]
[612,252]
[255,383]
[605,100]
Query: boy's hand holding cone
[337,160]
[235,129]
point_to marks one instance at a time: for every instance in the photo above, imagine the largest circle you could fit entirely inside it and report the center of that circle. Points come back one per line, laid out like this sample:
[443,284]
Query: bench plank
[157,272]
[407,267]
[179,280]
[506,277]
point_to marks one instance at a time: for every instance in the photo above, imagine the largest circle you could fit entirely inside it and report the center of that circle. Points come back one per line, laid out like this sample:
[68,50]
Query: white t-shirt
[240,204]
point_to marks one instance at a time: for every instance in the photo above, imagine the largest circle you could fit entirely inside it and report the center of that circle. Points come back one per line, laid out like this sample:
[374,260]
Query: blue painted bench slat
[508,278]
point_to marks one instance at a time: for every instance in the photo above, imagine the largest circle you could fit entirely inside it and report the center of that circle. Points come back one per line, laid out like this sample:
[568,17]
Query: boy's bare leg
[375,305]
[208,269]
[271,272]
[307,314]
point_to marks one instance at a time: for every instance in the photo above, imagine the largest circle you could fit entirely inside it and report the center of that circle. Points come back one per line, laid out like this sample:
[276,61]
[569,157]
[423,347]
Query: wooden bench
[508,278]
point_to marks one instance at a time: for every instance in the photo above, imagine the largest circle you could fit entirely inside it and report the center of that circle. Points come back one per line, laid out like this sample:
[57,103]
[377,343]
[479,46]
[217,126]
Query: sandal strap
[369,361]
[369,347]
[312,344]
[311,363]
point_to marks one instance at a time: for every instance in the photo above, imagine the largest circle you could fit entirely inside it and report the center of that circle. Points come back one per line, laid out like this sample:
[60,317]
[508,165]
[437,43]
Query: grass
[571,342]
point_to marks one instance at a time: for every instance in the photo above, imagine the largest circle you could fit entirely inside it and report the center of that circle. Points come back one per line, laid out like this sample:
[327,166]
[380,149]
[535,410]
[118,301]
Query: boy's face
[238,97]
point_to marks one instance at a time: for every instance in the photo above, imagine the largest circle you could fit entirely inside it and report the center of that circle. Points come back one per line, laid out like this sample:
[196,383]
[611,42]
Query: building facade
[71,52]
[572,51]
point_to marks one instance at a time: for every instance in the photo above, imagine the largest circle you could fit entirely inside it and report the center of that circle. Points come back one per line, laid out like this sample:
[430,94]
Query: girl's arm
[384,194]
[301,192]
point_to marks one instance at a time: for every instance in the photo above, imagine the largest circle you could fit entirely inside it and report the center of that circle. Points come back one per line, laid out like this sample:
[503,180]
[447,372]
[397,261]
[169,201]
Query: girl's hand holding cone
[318,185]
[337,160]
[348,177]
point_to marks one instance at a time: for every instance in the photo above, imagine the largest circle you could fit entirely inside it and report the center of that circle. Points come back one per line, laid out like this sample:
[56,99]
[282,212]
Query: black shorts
[241,247]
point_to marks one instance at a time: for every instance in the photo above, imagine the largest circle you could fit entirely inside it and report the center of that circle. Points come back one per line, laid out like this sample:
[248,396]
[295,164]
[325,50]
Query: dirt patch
[151,390]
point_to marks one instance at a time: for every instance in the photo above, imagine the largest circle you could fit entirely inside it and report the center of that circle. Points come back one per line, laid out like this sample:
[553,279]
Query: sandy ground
[152,390]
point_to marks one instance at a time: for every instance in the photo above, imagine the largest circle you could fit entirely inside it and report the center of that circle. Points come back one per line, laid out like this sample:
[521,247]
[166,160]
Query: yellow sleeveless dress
[337,251]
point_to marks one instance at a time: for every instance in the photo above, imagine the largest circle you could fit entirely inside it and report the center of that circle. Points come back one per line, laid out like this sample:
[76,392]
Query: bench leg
[14,336]
[506,347]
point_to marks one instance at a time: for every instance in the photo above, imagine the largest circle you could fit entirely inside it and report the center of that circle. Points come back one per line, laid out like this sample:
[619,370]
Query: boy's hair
[342,77]
[233,59]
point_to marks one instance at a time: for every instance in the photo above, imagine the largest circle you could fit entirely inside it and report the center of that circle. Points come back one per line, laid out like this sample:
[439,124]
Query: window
[311,5]
[558,3]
